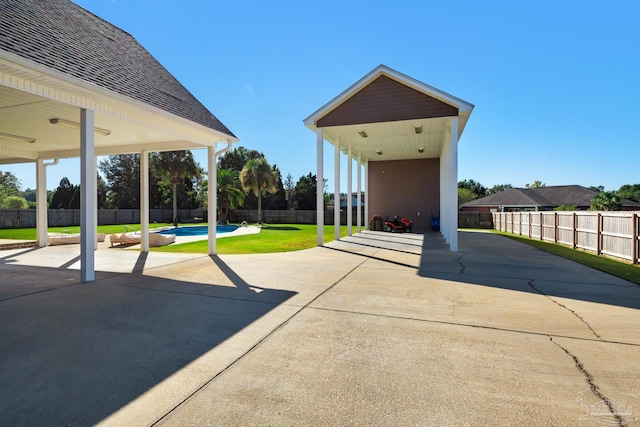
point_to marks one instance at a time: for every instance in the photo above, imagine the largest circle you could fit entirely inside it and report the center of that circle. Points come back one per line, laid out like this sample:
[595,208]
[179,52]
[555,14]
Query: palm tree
[230,194]
[606,201]
[257,176]
[171,167]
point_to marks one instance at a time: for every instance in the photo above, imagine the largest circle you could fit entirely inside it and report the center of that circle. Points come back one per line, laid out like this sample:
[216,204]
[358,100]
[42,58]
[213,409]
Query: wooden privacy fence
[610,233]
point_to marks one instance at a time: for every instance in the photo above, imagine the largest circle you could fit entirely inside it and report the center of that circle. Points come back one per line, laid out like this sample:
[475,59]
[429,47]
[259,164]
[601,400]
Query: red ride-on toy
[400,225]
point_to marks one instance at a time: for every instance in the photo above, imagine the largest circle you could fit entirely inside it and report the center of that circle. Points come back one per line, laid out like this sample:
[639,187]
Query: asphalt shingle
[62,35]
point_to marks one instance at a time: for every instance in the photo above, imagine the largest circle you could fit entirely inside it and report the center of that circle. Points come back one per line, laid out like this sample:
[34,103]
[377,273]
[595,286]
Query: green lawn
[272,238]
[30,233]
[616,268]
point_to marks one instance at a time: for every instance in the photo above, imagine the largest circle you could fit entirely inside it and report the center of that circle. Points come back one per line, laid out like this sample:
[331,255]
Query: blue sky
[554,83]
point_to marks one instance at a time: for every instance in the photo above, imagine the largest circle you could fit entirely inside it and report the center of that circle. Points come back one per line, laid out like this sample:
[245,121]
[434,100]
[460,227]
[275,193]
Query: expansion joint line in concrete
[257,344]
[565,307]
[594,388]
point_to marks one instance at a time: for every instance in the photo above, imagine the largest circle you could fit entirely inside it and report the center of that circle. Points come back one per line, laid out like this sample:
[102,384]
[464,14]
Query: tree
[289,190]
[258,177]
[596,188]
[536,184]
[475,187]
[465,195]
[606,201]
[9,184]
[630,192]
[14,202]
[63,195]
[565,208]
[101,194]
[278,199]
[238,157]
[304,196]
[230,193]
[122,173]
[172,167]
[498,188]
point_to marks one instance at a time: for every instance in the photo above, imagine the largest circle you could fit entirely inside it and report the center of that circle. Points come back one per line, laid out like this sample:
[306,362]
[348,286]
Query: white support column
[41,203]
[144,201]
[359,195]
[320,187]
[95,199]
[336,191]
[444,177]
[212,185]
[366,191]
[349,191]
[453,189]
[87,197]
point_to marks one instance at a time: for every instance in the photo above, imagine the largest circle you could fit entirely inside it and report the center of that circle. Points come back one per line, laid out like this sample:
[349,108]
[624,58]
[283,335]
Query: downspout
[55,162]
[212,216]
[225,149]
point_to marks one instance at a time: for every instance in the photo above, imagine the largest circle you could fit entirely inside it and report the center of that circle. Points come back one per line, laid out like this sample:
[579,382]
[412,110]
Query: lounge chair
[124,239]
[157,239]
[69,239]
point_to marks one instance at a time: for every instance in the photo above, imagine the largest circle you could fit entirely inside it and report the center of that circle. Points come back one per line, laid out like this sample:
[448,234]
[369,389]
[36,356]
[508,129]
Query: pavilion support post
[144,201]
[449,187]
[359,195]
[349,192]
[320,187]
[453,185]
[88,221]
[212,207]
[41,204]
[366,191]
[336,192]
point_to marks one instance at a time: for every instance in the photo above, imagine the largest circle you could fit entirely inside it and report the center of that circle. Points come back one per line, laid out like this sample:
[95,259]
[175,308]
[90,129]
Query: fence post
[541,226]
[555,227]
[575,230]
[529,213]
[599,234]
[634,249]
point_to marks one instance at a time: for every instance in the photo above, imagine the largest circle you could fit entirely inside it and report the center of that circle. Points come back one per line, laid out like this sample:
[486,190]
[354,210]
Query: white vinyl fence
[610,233]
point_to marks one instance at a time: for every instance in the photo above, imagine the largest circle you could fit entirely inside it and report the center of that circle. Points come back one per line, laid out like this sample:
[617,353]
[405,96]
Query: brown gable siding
[386,100]
[404,188]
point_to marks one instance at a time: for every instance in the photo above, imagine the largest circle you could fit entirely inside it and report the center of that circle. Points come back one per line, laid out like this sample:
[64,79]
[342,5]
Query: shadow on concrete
[74,355]
[488,259]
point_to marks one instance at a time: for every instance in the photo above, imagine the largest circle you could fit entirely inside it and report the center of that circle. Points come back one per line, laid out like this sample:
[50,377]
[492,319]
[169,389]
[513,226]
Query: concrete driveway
[376,329]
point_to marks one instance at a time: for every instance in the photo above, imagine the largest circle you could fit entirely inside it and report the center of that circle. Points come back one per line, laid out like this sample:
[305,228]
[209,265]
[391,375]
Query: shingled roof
[62,35]
[543,197]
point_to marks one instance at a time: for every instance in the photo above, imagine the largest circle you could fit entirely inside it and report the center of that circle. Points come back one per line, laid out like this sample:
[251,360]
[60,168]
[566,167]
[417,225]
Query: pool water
[199,230]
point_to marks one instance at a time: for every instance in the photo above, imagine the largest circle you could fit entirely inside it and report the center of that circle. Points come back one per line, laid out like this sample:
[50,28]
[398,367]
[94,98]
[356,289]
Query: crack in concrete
[594,388]
[565,307]
[462,266]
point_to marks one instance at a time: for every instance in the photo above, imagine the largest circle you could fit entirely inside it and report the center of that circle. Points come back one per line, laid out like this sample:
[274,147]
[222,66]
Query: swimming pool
[199,230]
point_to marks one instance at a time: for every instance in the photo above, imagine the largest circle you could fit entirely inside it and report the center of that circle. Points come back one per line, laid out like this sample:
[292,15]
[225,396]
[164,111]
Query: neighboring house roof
[61,35]
[546,197]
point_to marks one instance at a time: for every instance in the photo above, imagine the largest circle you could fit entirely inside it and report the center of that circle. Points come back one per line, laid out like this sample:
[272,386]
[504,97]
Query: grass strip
[616,268]
[272,238]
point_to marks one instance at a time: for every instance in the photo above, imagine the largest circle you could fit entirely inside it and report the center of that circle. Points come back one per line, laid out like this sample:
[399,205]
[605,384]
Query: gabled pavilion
[74,85]
[405,134]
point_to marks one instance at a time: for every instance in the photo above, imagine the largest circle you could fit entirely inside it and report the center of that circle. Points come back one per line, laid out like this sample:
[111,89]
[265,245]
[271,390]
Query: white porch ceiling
[396,140]
[31,95]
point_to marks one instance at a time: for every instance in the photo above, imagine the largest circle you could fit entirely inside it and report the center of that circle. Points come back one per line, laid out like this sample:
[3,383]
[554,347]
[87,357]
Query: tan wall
[404,188]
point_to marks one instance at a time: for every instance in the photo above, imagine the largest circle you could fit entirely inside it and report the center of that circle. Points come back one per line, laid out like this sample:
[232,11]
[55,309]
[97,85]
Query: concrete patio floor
[375,329]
